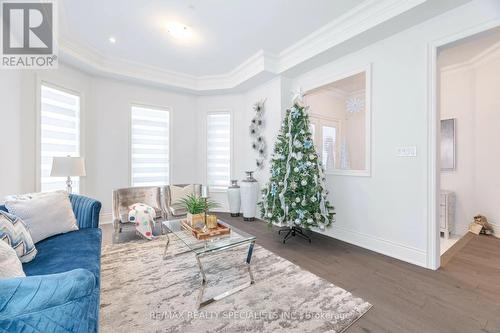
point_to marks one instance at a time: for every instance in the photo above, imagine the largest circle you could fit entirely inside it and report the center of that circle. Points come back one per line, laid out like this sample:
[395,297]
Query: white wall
[387,212]
[10,132]
[105,114]
[457,100]
[108,137]
[487,143]
[469,94]
[19,127]
[241,107]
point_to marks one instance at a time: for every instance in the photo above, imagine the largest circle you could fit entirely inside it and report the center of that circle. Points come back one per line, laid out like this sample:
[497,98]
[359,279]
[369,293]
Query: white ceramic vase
[234,199]
[249,194]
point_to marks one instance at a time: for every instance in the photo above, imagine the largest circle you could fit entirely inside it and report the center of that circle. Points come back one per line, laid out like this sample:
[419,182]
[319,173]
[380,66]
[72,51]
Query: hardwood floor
[461,297]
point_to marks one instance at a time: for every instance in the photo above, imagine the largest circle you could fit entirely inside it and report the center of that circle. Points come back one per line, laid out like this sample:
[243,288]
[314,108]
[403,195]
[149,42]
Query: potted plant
[196,207]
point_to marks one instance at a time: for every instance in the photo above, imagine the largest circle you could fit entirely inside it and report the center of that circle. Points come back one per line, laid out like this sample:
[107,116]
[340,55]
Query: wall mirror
[339,114]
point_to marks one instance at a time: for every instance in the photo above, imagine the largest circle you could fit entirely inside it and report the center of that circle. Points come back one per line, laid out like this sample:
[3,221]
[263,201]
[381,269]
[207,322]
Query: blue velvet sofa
[60,292]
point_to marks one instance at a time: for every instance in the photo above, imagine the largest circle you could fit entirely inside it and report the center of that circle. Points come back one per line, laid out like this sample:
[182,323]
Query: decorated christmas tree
[296,195]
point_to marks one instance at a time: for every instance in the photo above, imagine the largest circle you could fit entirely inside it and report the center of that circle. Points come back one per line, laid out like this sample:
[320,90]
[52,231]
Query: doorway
[466,120]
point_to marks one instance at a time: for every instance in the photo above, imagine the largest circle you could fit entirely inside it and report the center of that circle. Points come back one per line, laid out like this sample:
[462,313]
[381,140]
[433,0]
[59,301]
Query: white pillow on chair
[176,194]
[47,215]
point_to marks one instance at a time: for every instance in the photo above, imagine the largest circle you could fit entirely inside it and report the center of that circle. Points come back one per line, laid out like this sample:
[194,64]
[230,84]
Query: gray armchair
[125,197]
[173,193]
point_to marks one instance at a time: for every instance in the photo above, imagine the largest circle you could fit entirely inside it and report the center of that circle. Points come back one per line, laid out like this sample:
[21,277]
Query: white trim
[170,116]
[491,53]
[380,245]
[359,19]
[496,230]
[313,82]
[433,186]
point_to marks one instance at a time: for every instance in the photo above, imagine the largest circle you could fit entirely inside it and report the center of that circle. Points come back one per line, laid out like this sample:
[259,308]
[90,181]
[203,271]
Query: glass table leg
[166,247]
[201,302]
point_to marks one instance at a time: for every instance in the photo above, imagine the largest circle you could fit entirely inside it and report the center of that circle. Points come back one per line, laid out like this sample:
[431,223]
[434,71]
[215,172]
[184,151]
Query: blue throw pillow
[14,232]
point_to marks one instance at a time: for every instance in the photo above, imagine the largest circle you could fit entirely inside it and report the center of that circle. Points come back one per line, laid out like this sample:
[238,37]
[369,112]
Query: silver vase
[249,195]
[234,199]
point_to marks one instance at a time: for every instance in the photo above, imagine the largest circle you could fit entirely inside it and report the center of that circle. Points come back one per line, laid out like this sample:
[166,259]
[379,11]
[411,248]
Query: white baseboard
[496,230]
[389,248]
[105,218]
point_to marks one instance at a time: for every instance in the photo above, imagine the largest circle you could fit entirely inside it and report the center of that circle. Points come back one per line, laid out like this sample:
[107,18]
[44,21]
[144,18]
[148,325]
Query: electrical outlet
[407,151]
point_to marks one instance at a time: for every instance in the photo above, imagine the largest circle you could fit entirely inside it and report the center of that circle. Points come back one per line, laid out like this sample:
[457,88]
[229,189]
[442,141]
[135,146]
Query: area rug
[142,292]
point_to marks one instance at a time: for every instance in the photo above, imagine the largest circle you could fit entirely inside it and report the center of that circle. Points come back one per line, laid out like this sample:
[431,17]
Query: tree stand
[292,232]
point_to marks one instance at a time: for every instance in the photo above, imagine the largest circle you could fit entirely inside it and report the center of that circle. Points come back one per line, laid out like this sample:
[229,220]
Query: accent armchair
[125,197]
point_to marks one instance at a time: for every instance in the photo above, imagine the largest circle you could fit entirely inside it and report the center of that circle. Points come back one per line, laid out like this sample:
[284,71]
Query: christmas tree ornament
[300,179]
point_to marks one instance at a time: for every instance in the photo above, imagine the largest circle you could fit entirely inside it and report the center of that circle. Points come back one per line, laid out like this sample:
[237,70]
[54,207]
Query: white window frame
[231,149]
[319,121]
[38,129]
[170,116]
[313,82]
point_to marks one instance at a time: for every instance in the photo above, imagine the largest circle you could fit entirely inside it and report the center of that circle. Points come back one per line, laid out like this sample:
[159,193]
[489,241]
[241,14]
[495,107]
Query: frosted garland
[287,174]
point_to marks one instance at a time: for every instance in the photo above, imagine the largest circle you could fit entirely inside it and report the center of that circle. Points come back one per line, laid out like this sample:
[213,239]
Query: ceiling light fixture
[179,31]
[112,40]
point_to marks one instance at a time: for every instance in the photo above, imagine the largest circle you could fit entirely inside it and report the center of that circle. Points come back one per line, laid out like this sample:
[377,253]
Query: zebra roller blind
[218,150]
[150,153]
[59,134]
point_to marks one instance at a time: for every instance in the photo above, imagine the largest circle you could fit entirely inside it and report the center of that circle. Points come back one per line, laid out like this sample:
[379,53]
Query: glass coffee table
[210,246]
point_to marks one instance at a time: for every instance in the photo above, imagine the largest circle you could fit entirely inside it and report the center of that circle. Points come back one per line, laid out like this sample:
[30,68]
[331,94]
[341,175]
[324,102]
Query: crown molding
[487,55]
[362,18]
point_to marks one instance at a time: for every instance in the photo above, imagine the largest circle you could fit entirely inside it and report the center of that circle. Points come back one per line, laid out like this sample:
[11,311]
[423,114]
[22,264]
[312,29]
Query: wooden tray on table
[209,233]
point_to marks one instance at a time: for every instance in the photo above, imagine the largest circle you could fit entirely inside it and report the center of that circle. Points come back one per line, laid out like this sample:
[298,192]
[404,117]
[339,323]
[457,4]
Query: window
[329,142]
[340,123]
[218,150]
[150,153]
[59,134]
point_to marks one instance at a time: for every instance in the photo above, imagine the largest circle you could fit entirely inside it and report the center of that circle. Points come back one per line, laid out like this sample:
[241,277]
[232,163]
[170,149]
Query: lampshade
[67,166]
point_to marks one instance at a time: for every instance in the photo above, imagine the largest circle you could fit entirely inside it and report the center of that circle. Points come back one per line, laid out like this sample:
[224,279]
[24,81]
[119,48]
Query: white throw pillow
[178,192]
[45,216]
[10,265]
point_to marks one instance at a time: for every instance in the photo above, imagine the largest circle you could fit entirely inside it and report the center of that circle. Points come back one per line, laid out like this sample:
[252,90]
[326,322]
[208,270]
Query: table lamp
[204,195]
[68,166]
